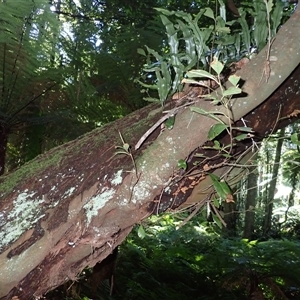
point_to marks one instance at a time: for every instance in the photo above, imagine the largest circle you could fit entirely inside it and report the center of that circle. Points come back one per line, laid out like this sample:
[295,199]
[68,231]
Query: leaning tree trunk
[272,187]
[70,207]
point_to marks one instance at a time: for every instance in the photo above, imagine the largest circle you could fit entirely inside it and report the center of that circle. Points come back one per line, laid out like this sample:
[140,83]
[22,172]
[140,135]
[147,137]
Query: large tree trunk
[71,207]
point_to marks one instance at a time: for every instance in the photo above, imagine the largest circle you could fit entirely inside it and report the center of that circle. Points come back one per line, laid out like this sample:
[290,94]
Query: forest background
[71,66]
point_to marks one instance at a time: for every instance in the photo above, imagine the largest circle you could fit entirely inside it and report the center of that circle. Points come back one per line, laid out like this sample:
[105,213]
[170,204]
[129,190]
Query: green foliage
[191,44]
[186,263]
[178,57]
[195,263]
[256,36]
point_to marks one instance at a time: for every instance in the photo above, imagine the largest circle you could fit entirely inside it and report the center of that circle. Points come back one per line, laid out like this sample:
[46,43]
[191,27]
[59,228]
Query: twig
[169,114]
[267,68]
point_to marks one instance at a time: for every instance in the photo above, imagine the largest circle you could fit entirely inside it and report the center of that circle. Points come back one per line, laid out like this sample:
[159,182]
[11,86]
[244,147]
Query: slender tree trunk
[250,204]
[3,146]
[230,217]
[272,187]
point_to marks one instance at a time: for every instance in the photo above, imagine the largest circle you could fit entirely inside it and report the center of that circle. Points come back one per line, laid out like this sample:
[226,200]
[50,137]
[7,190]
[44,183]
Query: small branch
[169,114]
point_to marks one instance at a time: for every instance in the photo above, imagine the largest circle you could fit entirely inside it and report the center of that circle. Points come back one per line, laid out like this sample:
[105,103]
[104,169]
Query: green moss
[30,170]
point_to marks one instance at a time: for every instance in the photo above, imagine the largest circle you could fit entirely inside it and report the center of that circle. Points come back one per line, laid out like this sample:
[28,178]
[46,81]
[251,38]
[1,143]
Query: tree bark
[71,207]
[272,187]
[250,204]
[3,146]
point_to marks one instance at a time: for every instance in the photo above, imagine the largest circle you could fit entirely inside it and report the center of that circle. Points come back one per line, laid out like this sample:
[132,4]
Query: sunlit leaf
[141,232]
[221,187]
[217,66]
[294,139]
[232,90]
[234,79]
[269,5]
[126,147]
[200,74]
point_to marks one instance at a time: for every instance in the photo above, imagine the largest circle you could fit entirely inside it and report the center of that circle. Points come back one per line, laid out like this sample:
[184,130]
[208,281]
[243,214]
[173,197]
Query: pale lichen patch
[69,192]
[141,191]
[23,216]
[97,202]
[117,179]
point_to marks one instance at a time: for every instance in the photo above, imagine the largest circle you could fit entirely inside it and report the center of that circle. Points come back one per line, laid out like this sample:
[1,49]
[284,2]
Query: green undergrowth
[194,262]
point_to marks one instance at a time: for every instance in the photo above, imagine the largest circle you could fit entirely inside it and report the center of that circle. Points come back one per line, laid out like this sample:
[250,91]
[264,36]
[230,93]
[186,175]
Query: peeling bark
[71,207]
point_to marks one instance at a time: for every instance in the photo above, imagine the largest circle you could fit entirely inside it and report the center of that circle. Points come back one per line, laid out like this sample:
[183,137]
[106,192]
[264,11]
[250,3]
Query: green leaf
[164,11]
[209,13]
[141,51]
[216,202]
[294,139]
[217,220]
[216,130]
[192,81]
[234,79]
[170,123]
[210,114]
[141,232]
[221,187]
[242,137]
[223,29]
[269,5]
[276,16]
[217,145]
[232,90]
[217,65]
[181,164]
[126,147]
[222,10]
[246,31]
[200,74]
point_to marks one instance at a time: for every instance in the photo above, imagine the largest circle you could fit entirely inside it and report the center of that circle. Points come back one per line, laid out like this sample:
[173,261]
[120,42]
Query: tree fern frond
[24,27]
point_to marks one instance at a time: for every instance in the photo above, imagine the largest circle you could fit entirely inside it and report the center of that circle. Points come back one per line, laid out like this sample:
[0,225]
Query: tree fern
[37,80]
